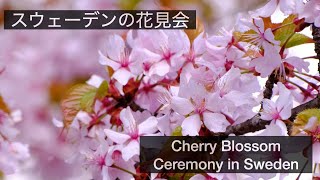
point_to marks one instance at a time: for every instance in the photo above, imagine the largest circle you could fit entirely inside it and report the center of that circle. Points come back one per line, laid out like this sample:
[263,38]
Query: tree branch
[272,79]
[316,38]
[256,123]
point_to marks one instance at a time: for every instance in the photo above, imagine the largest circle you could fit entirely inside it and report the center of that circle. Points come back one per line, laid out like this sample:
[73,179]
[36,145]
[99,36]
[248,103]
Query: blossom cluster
[165,83]
[35,66]
[12,152]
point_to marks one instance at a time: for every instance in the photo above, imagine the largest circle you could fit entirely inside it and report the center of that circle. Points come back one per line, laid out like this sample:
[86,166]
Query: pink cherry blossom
[11,156]
[161,43]
[262,36]
[197,48]
[310,11]
[268,62]
[12,153]
[132,131]
[114,160]
[196,106]
[313,129]
[168,121]
[281,108]
[147,94]
[271,60]
[119,59]
[286,6]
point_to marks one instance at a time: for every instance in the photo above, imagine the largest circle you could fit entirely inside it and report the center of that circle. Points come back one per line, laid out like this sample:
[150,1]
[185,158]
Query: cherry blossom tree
[165,86]
[167,83]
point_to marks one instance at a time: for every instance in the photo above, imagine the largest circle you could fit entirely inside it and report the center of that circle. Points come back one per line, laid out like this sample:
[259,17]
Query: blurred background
[38,66]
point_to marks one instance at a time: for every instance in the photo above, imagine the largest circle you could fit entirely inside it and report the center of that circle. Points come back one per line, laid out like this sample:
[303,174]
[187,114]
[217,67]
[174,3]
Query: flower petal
[164,124]
[191,125]
[285,113]
[127,119]
[115,47]
[103,60]
[312,124]
[57,123]
[287,6]
[95,81]
[284,102]
[270,37]
[215,122]
[298,63]
[181,46]
[148,126]
[199,45]
[181,105]
[267,10]
[316,151]
[198,177]
[130,150]
[269,109]
[160,68]
[258,23]
[122,76]
[116,137]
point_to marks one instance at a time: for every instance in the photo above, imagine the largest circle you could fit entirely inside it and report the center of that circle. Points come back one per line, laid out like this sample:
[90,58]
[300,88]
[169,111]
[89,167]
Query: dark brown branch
[315,103]
[256,123]
[251,125]
[267,93]
[272,79]
[316,38]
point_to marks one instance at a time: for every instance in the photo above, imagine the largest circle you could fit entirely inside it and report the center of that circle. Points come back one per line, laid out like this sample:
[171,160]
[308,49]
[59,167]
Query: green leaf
[79,97]
[303,118]
[103,90]
[177,131]
[87,100]
[287,29]
[243,36]
[298,39]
